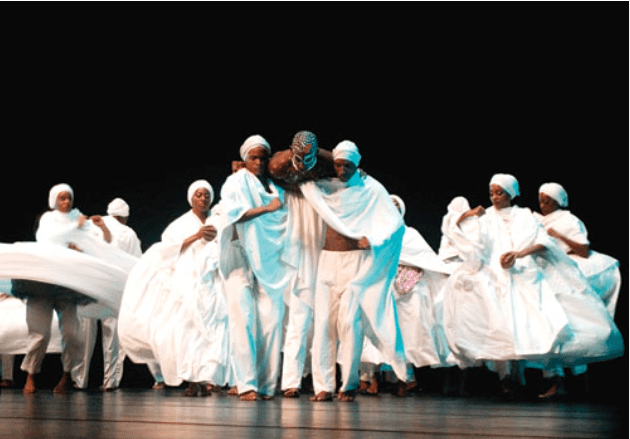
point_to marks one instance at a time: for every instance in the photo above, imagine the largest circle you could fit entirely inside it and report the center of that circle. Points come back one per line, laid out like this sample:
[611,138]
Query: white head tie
[118,207]
[508,182]
[199,184]
[253,142]
[55,191]
[557,192]
[402,208]
[347,150]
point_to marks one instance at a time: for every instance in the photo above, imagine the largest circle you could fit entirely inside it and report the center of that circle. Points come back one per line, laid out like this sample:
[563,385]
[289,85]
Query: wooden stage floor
[132,413]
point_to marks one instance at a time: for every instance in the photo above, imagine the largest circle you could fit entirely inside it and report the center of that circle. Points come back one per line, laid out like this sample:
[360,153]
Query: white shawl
[361,208]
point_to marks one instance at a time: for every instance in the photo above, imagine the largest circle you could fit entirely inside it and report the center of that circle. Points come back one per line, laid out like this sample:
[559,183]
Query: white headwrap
[118,207]
[401,203]
[55,191]
[253,142]
[347,150]
[508,182]
[199,184]
[557,192]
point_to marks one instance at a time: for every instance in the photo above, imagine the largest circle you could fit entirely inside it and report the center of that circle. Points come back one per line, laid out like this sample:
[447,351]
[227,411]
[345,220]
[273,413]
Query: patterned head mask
[301,153]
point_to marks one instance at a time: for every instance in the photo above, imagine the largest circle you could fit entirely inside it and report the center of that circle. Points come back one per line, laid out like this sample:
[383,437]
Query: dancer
[303,161]
[57,227]
[173,311]
[257,266]
[357,265]
[570,234]
[602,271]
[420,278]
[517,298]
[125,239]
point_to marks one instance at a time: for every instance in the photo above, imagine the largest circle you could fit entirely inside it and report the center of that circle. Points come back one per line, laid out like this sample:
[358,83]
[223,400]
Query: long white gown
[541,310]
[174,310]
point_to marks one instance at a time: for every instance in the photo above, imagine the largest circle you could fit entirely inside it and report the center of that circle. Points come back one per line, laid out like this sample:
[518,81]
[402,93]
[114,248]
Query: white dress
[542,309]
[602,271]
[174,310]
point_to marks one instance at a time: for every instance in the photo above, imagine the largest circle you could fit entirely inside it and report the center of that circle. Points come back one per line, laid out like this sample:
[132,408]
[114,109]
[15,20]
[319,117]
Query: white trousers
[39,314]
[338,336]
[297,344]
[255,321]
[113,360]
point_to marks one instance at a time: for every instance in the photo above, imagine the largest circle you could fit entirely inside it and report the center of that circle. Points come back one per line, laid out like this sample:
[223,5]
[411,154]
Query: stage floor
[165,414]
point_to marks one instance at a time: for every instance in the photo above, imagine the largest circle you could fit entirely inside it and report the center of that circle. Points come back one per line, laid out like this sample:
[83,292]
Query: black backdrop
[437,103]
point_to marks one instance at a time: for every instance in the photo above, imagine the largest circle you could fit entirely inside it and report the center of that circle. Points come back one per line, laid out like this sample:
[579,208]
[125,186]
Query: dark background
[437,100]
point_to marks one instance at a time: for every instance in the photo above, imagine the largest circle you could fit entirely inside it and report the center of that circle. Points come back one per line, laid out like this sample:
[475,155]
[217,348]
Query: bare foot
[65,384]
[346,396]
[322,397]
[373,389]
[363,386]
[29,387]
[249,396]
[233,391]
[6,384]
[159,385]
[292,393]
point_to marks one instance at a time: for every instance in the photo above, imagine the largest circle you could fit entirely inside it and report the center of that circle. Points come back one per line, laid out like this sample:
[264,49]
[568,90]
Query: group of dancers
[305,266]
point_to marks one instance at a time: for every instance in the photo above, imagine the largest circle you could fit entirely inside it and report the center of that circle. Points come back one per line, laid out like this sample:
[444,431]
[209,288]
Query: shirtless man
[337,312]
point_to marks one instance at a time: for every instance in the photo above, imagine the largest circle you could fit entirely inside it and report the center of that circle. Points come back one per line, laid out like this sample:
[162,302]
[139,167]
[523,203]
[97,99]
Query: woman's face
[499,197]
[256,162]
[547,204]
[201,200]
[64,202]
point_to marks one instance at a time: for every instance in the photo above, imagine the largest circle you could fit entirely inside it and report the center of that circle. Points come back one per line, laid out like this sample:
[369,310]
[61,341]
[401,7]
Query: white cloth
[39,317]
[55,191]
[451,242]
[557,192]
[307,236]
[363,208]
[199,184]
[14,330]
[258,269]
[338,336]
[542,308]
[125,239]
[508,183]
[174,308]
[347,150]
[602,271]
[118,207]
[252,142]
[423,336]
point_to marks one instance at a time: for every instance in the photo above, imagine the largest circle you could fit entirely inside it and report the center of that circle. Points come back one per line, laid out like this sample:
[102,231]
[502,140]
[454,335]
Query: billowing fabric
[90,276]
[602,271]
[14,330]
[361,208]
[541,309]
[266,239]
[258,264]
[174,310]
[557,192]
[508,183]
[423,336]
